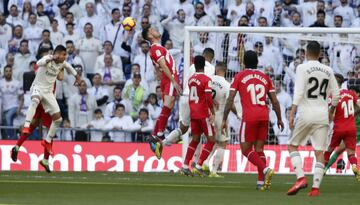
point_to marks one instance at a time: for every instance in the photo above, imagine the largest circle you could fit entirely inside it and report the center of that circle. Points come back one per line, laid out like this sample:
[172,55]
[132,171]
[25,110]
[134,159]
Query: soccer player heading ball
[314,83]
[165,64]
[253,86]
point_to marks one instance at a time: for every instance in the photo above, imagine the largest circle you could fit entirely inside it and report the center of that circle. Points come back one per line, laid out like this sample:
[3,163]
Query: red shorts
[200,126]
[348,136]
[41,114]
[167,88]
[253,131]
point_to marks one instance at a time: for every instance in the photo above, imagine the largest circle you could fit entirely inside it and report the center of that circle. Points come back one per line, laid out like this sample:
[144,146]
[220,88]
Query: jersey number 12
[256,92]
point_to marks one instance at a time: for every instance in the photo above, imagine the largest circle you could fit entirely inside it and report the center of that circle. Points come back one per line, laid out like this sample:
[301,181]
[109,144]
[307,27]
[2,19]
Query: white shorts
[47,99]
[303,131]
[184,110]
[219,136]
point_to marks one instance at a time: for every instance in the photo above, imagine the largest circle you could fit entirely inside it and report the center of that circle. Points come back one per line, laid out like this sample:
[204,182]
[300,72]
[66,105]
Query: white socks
[31,111]
[53,128]
[297,164]
[318,174]
[218,158]
[173,137]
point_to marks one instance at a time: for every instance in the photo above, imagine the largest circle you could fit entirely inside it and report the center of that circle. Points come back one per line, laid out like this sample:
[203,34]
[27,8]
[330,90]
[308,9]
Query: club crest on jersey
[210,84]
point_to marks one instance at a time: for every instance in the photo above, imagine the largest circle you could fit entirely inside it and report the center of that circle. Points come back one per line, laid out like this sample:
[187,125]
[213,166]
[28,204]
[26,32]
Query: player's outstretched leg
[189,155]
[47,143]
[203,156]
[35,101]
[296,162]
[45,162]
[21,140]
[353,161]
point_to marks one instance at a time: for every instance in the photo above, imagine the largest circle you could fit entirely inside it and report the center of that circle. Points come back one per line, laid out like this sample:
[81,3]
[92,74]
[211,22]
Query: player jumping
[253,86]
[344,126]
[313,85]
[41,92]
[202,117]
[165,64]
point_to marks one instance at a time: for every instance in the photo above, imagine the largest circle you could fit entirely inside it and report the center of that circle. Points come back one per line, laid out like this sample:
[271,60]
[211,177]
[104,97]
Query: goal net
[280,51]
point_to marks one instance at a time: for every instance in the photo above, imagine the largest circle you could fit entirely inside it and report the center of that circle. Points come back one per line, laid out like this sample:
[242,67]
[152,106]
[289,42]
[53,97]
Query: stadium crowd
[120,90]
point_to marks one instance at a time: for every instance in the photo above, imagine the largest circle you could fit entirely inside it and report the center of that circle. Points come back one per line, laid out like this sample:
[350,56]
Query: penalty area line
[121,183]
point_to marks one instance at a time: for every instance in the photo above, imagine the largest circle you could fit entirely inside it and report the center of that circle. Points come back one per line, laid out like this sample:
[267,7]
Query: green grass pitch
[164,188]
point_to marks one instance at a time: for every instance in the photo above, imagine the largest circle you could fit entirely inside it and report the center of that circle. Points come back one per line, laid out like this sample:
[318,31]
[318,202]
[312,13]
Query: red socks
[254,158]
[205,152]
[327,155]
[260,172]
[162,120]
[22,138]
[190,151]
[352,159]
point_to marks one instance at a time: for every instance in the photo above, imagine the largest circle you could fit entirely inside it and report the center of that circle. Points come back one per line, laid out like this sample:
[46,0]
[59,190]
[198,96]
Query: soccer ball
[128,24]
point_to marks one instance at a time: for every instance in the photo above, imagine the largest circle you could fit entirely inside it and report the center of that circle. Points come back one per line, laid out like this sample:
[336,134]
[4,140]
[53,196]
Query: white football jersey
[314,83]
[47,72]
[209,71]
[220,89]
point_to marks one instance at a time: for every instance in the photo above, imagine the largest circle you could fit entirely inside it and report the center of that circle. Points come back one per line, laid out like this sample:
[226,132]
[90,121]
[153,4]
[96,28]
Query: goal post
[329,38]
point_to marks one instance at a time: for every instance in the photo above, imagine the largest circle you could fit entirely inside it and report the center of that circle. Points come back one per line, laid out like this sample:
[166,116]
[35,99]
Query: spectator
[56,36]
[45,42]
[322,7]
[93,19]
[89,49]
[154,20]
[69,81]
[98,123]
[342,56]
[111,76]
[65,133]
[320,19]
[221,42]
[43,19]
[273,55]
[133,96]
[290,44]
[137,39]
[99,91]
[71,35]
[283,136]
[112,30]
[61,17]
[346,12]
[110,107]
[308,12]
[26,11]
[14,43]
[205,42]
[142,126]
[159,96]
[72,57]
[120,125]
[235,11]
[212,9]
[135,68]
[200,18]
[175,25]
[186,7]
[250,13]
[14,18]
[12,100]
[81,107]
[259,48]
[5,31]
[146,65]
[153,106]
[108,50]
[22,60]
[33,33]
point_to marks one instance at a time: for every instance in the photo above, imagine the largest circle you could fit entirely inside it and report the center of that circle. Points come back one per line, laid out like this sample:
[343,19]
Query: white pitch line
[112,183]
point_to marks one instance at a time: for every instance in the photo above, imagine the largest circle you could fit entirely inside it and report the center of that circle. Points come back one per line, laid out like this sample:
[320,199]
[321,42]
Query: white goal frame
[253,30]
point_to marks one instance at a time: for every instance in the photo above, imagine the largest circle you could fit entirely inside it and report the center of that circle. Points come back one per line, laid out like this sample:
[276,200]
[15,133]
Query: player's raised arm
[72,71]
[44,60]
